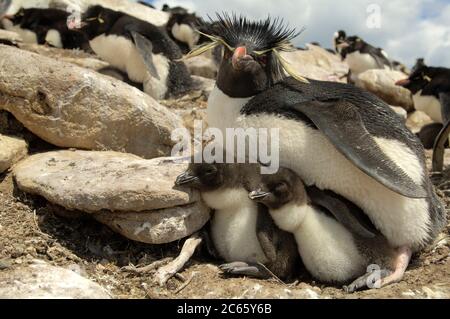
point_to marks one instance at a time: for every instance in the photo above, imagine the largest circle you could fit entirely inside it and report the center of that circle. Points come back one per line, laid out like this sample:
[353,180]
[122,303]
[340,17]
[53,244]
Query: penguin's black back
[440,82]
[379,119]
[42,20]
[160,40]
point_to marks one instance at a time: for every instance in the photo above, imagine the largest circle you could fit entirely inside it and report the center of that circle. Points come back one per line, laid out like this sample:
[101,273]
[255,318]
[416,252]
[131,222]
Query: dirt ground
[31,228]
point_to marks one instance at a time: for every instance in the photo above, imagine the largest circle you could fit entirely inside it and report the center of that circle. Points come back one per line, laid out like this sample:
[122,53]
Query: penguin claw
[240,268]
[369,280]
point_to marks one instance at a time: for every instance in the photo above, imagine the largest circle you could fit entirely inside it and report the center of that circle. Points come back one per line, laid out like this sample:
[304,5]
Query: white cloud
[409,29]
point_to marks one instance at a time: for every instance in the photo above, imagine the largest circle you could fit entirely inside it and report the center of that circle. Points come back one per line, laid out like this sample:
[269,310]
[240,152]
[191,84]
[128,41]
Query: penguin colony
[352,190]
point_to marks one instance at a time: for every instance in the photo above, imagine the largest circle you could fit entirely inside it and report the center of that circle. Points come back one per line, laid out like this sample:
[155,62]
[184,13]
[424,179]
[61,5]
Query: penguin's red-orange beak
[403,82]
[239,55]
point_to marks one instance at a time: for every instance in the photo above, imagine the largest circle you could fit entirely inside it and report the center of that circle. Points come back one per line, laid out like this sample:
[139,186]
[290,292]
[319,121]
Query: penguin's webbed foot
[240,268]
[377,278]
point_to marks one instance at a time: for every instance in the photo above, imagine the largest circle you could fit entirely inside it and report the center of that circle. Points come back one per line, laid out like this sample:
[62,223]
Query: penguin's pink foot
[401,262]
[377,278]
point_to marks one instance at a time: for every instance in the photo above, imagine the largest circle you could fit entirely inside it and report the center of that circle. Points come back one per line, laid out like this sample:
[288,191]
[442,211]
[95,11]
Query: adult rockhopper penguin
[142,50]
[359,55]
[334,136]
[46,26]
[430,87]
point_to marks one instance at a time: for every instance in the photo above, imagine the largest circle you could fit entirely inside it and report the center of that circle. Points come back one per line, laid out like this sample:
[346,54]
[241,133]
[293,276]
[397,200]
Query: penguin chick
[244,236]
[330,251]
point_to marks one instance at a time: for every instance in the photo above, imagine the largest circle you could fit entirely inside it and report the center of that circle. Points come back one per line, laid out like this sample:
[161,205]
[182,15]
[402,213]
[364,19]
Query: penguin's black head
[96,20]
[251,61]
[351,44]
[20,17]
[420,76]
[277,190]
[203,176]
[174,10]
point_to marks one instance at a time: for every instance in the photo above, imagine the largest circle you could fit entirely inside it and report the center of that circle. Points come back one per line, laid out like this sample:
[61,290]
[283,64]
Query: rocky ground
[32,228]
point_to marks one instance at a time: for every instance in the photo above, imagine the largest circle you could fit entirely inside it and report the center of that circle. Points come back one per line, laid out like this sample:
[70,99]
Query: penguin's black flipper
[439,149]
[145,47]
[342,124]
[347,213]
[381,58]
[279,246]
[444,99]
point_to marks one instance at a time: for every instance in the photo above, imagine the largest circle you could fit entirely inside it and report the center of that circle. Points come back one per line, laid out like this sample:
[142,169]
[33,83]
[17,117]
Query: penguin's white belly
[360,62]
[328,250]
[155,87]
[122,54]
[222,110]
[429,105]
[184,33]
[233,228]
[404,221]
[53,38]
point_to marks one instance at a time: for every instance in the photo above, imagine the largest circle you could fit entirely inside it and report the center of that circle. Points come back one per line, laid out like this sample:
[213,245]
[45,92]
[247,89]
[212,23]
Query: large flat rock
[12,149]
[69,106]
[91,181]
[158,226]
[317,63]
[43,281]
[382,83]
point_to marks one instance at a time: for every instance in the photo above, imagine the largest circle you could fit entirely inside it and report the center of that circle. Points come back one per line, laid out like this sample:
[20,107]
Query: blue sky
[407,29]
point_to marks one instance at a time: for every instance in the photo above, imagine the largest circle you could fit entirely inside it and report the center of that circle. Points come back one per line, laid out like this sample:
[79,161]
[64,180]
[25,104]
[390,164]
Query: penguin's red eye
[262,59]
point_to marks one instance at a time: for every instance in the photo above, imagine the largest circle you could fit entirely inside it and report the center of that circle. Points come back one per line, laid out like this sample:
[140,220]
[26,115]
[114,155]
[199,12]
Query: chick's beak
[185,179]
[258,194]
[403,82]
[239,55]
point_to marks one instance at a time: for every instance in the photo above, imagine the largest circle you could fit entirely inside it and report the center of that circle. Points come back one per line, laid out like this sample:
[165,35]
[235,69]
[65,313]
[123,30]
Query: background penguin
[329,251]
[360,55]
[334,136]
[176,10]
[426,85]
[244,236]
[430,87]
[46,26]
[182,29]
[142,50]
[339,38]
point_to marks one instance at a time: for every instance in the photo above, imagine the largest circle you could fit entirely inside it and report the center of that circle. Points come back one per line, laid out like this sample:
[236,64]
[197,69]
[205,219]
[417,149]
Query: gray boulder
[69,106]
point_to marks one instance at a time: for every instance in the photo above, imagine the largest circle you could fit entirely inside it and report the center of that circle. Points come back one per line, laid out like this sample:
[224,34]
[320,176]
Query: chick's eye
[281,187]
